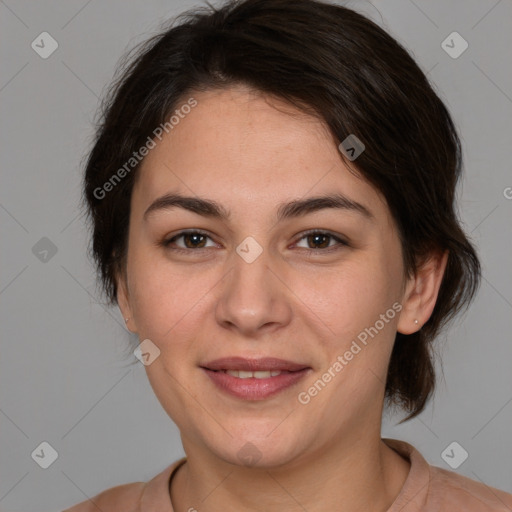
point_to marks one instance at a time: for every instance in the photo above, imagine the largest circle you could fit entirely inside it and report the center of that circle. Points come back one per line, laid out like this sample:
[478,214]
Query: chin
[256,450]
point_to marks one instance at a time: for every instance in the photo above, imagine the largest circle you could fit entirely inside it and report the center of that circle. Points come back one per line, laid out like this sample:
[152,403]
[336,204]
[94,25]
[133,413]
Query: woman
[270,216]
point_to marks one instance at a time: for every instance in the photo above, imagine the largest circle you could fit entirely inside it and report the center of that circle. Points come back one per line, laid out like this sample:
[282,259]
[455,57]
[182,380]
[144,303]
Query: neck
[359,473]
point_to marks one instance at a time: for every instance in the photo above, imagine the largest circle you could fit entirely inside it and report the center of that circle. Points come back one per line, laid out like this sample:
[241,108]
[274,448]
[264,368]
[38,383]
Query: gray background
[64,372]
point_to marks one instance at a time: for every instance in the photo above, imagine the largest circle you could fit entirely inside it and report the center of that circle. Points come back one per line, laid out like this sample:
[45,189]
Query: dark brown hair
[328,61]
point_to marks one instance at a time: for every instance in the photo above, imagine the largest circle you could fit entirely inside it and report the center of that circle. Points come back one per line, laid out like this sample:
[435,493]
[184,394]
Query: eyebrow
[292,209]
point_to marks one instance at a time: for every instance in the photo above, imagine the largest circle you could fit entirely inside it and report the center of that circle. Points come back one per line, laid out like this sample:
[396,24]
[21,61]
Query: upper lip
[253,365]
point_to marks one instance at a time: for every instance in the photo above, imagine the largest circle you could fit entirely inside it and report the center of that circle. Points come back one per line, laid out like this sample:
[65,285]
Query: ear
[123,300]
[421,293]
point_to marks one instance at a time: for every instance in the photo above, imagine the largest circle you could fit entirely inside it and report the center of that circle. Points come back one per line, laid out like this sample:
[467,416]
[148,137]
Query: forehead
[242,148]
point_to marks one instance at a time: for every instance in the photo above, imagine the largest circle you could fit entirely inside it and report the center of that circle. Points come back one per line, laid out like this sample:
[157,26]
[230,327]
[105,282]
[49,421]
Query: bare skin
[250,153]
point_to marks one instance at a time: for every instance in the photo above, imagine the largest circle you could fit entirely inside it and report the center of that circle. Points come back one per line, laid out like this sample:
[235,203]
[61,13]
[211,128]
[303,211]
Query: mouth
[262,374]
[254,379]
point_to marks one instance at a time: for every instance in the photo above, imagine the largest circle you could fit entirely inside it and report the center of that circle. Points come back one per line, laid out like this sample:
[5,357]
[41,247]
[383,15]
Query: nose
[254,298]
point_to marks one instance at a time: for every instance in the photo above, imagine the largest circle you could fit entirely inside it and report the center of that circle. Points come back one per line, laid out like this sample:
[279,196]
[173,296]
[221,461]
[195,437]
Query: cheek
[356,302]
[160,296]
[347,299]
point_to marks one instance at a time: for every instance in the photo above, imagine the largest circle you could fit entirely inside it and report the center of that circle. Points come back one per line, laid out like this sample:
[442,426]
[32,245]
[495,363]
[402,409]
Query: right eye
[192,239]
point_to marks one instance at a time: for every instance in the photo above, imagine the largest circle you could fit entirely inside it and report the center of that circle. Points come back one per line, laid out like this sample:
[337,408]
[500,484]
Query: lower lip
[252,388]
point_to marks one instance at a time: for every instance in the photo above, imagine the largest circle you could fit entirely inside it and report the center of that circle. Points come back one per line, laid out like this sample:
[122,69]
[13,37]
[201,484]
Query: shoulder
[134,497]
[123,498]
[431,488]
[453,491]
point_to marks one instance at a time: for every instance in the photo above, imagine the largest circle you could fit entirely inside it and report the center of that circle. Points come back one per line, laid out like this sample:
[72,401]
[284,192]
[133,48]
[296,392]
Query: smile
[257,385]
[242,374]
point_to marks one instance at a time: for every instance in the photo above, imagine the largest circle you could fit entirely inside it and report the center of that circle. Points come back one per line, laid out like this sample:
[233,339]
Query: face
[301,285]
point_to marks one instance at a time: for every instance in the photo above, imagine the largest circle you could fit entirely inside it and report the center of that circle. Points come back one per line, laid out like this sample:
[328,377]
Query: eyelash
[341,243]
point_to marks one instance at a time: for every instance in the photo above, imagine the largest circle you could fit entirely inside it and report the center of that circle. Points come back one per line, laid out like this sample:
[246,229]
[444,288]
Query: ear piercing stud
[416,322]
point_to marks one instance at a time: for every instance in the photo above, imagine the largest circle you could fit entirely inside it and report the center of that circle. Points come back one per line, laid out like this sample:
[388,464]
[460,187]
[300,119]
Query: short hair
[333,63]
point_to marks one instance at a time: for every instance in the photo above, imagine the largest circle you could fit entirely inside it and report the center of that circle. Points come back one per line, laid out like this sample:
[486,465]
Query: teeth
[241,374]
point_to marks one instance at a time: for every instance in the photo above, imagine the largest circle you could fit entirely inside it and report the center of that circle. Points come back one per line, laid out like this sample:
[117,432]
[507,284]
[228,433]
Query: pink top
[426,489]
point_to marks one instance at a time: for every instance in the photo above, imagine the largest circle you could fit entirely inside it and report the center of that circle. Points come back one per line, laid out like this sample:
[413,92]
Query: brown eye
[321,240]
[194,240]
[191,240]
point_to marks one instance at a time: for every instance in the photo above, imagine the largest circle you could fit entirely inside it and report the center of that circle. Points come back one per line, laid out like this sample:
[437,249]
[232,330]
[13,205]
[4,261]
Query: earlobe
[123,301]
[421,293]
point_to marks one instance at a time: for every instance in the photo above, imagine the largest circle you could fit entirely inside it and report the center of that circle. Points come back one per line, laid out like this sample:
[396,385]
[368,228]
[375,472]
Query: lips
[254,379]
[254,365]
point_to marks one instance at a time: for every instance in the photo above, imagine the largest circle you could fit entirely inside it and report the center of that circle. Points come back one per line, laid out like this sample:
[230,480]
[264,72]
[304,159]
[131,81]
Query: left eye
[322,239]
